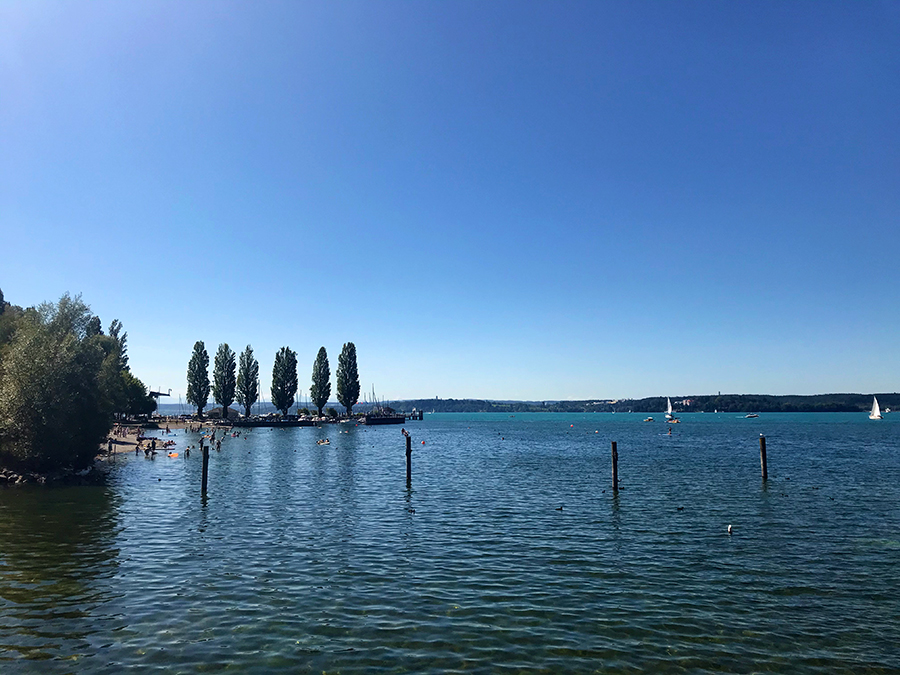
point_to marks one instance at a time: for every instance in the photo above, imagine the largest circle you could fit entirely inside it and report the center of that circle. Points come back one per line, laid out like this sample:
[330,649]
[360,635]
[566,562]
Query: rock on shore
[88,476]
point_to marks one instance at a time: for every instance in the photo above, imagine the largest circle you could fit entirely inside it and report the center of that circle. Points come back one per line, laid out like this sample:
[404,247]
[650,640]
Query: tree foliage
[53,411]
[348,378]
[61,380]
[198,378]
[247,380]
[321,380]
[223,377]
[115,332]
[94,327]
[284,379]
[9,322]
[136,399]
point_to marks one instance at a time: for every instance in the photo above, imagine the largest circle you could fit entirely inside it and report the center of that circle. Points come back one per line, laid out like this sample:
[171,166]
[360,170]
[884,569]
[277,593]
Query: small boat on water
[669,414]
[750,416]
[323,441]
[875,413]
[649,419]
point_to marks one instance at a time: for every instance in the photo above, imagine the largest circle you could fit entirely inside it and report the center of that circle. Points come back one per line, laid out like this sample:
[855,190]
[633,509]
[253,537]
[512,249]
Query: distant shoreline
[729,403]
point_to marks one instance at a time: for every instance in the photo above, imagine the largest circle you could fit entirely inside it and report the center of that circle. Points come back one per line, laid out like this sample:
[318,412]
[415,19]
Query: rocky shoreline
[93,475]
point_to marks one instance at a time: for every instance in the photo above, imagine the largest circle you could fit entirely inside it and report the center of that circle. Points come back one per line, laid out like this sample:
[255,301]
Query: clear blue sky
[523,200]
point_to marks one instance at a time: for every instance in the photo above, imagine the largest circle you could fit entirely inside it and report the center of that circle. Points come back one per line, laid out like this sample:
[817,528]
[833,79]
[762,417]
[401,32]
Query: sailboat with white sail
[875,414]
[670,415]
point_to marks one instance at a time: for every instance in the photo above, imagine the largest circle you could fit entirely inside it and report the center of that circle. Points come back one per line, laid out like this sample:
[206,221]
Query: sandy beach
[125,436]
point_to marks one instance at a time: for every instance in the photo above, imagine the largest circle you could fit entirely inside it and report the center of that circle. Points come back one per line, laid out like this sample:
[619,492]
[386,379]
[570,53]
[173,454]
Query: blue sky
[523,200]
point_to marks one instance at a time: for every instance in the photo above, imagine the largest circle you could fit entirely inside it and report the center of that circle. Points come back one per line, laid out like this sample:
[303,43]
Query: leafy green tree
[197,377]
[284,379]
[2,303]
[9,321]
[94,327]
[115,328]
[348,378]
[112,377]
[332,413]
[223,378]
[137,400]
[52,409]
[321,380]
[248,380]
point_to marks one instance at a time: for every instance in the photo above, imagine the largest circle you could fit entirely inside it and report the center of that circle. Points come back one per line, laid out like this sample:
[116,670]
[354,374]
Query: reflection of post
[408,458]
[615,467]
[205,449]
[762,457]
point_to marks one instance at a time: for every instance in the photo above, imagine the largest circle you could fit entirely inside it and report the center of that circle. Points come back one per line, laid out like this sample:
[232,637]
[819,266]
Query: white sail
[876,411]
[669,415]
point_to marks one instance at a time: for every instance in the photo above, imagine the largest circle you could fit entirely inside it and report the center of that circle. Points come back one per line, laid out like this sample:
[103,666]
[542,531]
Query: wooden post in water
[762,457]
[205,449]
[615,467]
[408,458]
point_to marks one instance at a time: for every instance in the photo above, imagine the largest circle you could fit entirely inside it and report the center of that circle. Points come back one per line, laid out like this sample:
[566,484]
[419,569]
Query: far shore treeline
[240,384]
[63,381]
[727,403]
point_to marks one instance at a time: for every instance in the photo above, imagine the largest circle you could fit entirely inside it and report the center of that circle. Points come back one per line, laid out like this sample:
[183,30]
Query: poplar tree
[114,329]
[248,380]
[284,379]
[348,377]
[321,381]
[223,378]
[198,378]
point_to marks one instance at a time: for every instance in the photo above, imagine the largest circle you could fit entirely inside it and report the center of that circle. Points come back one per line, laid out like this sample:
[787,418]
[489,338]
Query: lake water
[321,559]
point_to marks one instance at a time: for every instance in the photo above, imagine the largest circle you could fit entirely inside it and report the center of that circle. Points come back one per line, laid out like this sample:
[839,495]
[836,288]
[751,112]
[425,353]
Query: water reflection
[321,558]
[55,545]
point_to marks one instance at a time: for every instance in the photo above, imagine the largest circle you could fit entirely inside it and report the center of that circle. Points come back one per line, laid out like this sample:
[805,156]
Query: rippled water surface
[320,558]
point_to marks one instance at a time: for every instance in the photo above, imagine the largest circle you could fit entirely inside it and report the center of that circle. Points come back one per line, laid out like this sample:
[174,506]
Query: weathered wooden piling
[408,458]
[615,467]
[762,457]
[205,449]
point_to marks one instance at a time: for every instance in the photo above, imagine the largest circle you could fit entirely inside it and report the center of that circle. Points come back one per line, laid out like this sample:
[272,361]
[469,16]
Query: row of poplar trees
[244,386]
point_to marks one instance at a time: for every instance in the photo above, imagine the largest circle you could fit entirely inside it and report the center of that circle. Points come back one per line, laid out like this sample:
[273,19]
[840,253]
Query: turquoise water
[309,558]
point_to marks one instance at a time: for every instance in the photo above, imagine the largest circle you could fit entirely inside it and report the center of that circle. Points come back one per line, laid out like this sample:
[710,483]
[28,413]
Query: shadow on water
[56,544]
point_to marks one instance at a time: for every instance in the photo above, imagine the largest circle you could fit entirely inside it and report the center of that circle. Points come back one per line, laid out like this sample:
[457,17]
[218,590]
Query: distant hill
[722,402]
[737,403]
